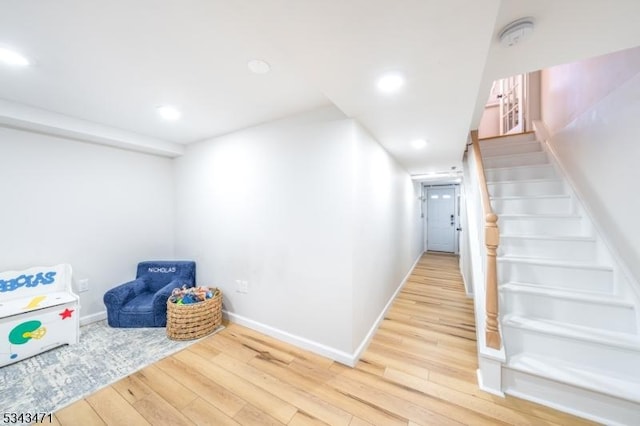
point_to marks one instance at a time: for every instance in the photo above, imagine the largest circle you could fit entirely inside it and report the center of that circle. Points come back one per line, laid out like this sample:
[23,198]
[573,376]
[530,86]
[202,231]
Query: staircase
[569,319]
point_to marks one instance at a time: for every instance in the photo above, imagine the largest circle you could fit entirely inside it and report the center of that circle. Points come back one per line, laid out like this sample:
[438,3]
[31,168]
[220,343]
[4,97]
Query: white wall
[387,230]
[280,205]
[533,112]
[310,210]
[98,208]
[466,267]
[271,205]
[591,109]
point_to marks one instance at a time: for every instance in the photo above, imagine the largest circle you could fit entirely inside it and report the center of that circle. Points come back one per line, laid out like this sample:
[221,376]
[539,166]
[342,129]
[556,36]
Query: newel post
[492,239]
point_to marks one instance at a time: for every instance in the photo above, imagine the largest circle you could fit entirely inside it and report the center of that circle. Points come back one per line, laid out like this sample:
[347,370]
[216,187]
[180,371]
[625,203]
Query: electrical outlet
[83,285]
[242,286]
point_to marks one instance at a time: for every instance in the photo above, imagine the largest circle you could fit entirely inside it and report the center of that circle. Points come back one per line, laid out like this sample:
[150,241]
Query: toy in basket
[193,312]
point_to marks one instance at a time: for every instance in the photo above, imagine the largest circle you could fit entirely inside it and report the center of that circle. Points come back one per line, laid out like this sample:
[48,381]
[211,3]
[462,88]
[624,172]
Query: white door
[511,104]
[441,219]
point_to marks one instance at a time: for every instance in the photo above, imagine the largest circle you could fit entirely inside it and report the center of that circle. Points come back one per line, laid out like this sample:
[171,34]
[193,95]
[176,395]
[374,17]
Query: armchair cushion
[143,301]
[139,304]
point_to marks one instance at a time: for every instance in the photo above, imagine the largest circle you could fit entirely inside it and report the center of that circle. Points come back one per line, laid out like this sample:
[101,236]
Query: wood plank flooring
[418,370]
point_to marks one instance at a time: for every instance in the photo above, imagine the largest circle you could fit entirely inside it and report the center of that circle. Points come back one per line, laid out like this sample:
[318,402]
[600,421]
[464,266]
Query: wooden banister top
[481,177]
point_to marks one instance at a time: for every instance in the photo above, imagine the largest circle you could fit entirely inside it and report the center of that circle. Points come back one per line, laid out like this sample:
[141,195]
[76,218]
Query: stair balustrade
[491,242]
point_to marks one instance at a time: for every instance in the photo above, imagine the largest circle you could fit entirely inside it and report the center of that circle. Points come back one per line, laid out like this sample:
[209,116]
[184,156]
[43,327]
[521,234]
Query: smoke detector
[515,31]
[258,66]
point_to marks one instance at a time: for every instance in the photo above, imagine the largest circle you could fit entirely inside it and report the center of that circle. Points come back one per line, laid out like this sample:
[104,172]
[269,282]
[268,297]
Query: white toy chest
[38,311]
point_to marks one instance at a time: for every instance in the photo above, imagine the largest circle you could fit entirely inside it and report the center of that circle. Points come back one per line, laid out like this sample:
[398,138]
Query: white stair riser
[516,148]
[571,250]
[541,226]
[592,405]
[619,362]
[586,313]
[596,280]
[520,173]
[507,140]
[516,160]
[563,205]
[526,188]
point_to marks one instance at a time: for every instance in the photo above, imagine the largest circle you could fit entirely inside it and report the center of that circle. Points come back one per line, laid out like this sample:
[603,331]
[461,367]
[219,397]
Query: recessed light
[419,143]
[168,112]
[390,82]
[258,66]
[11,57]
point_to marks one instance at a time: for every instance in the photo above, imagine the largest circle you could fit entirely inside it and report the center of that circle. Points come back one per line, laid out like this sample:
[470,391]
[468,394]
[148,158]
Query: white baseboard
[88,319]
[374,327]
[319,348]
[466,285]
[301,342]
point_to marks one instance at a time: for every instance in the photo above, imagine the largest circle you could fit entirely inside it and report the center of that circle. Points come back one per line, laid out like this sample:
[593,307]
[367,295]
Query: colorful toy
[186,296]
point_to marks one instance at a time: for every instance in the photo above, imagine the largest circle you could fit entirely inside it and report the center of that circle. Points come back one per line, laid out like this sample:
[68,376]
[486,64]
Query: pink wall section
[490,122]
[591,109]
[571,89]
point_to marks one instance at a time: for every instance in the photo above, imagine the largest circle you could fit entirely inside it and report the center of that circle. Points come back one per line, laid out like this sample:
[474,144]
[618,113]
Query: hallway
[418,370]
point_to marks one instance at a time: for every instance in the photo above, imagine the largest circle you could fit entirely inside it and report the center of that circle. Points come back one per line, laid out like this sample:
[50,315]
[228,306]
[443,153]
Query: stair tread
[490,144]
[578,295]
[562,371]
[553,262]
[507,136]
[523,166]
[551,237]
[517,181]
[574,331]
[519,139]
[519,197]
[519,154]
[541,215]
[488,147]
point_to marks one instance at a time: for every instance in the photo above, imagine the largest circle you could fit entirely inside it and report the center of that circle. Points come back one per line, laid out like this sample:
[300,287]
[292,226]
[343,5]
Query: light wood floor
[418,370]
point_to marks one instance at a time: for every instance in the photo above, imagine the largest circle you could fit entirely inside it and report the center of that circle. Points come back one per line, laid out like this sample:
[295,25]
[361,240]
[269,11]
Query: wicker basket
[195,320]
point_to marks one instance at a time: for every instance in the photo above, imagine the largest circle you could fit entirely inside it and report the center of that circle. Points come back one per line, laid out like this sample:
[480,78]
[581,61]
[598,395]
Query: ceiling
[100,68]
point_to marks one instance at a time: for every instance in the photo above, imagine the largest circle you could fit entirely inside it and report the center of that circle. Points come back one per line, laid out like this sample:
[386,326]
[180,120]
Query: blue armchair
[143,301]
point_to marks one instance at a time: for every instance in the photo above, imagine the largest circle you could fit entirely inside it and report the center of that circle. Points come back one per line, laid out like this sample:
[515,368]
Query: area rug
[49,381]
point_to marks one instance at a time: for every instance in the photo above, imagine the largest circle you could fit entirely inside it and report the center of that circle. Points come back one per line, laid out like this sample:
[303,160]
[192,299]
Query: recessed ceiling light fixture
[515,31]
[11,57]
[168,112]
[258,66]
[419,143]
[390,82]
